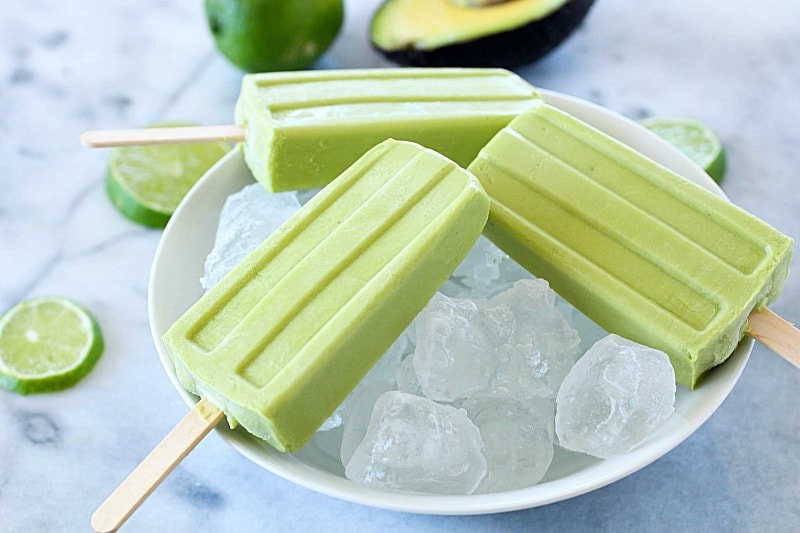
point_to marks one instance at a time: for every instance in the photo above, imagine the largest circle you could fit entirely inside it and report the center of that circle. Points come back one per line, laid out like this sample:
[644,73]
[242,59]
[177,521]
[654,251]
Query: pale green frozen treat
[304,128]
[280,341]
[641,250]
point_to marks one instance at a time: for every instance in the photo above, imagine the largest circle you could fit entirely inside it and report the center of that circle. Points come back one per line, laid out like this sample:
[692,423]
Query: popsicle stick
[156,466]
[168,135]
[776,334]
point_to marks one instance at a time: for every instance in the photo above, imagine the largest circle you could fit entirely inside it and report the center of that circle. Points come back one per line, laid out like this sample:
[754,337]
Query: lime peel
[47,343]
[274,35]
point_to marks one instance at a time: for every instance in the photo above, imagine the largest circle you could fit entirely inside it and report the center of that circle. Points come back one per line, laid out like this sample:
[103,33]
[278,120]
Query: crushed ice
[485,384]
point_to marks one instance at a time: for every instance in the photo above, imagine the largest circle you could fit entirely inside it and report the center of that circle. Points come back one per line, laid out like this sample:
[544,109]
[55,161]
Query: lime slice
[46,344]
[146,183]
[693,138]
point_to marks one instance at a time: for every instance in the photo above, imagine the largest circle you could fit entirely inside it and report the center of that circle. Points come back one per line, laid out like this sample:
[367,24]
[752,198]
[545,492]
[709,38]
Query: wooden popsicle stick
[168,135]
[130,494]
[776,334]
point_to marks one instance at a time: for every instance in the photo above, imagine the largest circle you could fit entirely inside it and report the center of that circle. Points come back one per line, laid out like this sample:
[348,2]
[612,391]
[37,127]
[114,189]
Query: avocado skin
[509,49]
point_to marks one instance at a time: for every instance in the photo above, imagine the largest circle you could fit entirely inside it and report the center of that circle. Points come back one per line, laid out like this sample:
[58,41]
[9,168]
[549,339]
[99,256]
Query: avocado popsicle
[280,341]
[302,129]
[642,251]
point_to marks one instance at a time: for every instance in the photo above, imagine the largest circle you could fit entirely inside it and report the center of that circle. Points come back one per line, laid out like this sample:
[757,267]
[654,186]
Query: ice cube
[589,331]
[516,344]
[414,444]
[485,271]
[614,396]
[356,412]
[389,364]
[517,440]
[247,218]
[407,377]
[452,358]
[540,347]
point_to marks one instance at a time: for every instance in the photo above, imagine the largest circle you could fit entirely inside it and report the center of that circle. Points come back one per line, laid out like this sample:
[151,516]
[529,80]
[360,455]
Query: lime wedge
[47,344]
[146,183]
[693,138]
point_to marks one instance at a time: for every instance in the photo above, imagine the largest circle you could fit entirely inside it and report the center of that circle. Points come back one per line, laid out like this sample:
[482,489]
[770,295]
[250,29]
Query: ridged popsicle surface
[304,128]
[282,339]
[642,251]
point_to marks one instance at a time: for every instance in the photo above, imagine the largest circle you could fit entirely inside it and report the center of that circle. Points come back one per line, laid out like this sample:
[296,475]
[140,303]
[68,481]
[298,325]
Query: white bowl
[174,286]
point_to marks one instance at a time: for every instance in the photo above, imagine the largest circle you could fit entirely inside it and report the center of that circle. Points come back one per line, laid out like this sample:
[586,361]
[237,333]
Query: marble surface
[68,67]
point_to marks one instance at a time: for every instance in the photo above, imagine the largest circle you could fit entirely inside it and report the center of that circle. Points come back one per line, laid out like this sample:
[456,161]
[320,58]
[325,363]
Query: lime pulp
[46,344]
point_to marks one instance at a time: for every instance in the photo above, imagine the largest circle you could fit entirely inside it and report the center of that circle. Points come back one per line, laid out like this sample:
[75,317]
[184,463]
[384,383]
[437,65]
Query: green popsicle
[280,341]
[302,129]
[641,250]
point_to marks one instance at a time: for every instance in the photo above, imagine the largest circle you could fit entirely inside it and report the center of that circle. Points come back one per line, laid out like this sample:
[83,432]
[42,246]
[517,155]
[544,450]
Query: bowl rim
[292,467]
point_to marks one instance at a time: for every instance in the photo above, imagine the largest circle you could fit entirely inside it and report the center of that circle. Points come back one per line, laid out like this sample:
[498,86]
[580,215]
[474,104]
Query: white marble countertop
[67,67]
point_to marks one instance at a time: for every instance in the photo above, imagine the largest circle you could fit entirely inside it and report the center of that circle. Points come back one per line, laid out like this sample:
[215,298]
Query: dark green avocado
[473,33]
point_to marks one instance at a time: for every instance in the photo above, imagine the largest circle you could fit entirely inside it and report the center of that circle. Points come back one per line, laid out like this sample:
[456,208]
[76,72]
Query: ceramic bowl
[174,286]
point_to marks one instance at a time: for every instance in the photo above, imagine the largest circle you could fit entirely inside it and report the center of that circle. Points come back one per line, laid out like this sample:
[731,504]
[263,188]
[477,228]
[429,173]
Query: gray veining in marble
[66,67]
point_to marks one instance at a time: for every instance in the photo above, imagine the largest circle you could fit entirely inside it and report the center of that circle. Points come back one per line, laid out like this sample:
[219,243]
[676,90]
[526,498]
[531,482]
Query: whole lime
[274,35]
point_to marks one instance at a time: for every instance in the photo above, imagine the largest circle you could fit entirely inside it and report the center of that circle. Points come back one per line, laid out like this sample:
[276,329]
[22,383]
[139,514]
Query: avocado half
[477,33]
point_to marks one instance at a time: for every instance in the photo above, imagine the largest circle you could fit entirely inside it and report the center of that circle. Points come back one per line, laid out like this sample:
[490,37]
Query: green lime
[274,35]
[146,183]
[46,344]
[695,139]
